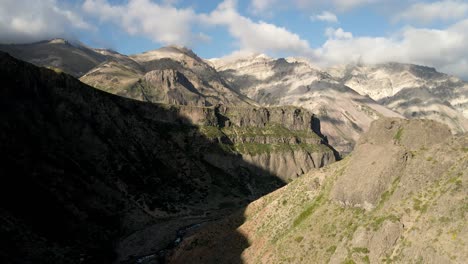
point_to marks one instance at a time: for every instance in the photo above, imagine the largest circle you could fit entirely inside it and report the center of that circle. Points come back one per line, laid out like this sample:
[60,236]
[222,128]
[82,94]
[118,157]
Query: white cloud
[427,12]
[161,23]
[340,5]
[27,21]
[255,36]
[325,16]
[260,6]
[443,49]
[339,33]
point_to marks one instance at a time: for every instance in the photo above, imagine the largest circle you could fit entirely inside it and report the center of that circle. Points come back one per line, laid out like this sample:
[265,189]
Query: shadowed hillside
[91,177]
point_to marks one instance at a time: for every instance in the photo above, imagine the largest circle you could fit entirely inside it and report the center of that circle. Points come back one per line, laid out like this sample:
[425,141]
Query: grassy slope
[419,216]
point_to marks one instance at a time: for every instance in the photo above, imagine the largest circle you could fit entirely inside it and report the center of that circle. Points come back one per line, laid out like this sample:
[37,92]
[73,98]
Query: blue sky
[328,32]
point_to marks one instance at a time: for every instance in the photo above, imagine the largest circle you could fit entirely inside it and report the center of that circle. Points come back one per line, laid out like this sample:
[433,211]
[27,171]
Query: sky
[327,32]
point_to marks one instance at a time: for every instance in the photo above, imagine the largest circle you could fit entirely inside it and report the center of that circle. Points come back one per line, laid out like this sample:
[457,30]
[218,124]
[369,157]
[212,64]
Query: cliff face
[411,90]
[344,113]
[84,169]
[278,141]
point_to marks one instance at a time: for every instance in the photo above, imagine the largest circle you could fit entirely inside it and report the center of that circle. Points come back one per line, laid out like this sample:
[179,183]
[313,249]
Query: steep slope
[344,114]
[168,75]
[74,59]
[400,197]
[412,90]
[88,176]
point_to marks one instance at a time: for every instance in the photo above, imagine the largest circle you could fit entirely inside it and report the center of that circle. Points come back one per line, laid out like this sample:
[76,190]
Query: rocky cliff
[89,176]
[400,197]
[344,113]
[173,75]
[412,90]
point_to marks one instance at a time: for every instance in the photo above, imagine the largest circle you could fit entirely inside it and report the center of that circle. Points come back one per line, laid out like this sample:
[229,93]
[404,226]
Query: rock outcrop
[411,90]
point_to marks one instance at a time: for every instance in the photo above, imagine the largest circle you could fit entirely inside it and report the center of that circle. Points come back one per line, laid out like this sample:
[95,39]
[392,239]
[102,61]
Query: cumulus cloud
[444,49]
[255,36]
[261,6]
[325,16]
[27,21]
[423,12]
[161,23]
[341,5]
[338,33]
[169,25]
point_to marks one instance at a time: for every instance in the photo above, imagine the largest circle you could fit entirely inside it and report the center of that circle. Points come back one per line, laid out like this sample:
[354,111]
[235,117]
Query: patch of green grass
[444,219]
[299,239]
[308,211]
[419,206]
[258,148]
[362,250]
[270,130]
[210,131]
[464,149]
[387,194]
[348,261]
[331,249]
[377,223]
[398,135]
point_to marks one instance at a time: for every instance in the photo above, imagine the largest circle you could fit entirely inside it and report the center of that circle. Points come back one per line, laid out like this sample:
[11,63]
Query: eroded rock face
[381,157]
[411,90]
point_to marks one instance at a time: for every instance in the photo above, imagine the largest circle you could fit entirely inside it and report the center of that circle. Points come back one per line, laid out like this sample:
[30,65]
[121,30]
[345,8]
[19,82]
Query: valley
[166,157]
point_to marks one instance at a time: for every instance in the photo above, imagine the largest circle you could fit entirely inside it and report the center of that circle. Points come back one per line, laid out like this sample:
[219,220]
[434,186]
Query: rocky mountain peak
[58,41]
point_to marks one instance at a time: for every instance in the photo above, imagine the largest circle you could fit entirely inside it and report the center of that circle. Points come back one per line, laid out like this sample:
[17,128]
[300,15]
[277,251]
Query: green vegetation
[309,210]
[362,250]
[398,135]
[377,223]
[299,239]
[258,148]
[348,261]
[418,205]
[387,194]
[331,249]
[270,130]
[211,131]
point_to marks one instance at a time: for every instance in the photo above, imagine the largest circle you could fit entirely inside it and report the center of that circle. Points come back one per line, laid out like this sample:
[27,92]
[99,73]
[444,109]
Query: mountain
[91,177]
[400,197]
[344,114]
[411,90]
[72,58]
[171,74]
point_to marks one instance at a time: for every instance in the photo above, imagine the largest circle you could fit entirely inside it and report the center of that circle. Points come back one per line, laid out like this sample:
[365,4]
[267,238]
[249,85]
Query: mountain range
[166,157]
[345,98]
